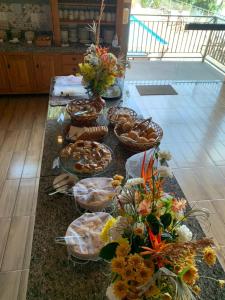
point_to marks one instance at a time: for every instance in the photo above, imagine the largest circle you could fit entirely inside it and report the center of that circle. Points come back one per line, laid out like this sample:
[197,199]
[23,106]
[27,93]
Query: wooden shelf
[86,22]
[84,4]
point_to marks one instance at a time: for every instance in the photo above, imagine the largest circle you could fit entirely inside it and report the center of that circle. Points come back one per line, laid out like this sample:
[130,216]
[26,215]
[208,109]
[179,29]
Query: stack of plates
[73,36]
[83,35]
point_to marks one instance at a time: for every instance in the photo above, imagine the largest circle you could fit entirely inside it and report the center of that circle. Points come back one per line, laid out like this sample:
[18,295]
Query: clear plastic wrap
[134,163]
[83,235]
[94,194]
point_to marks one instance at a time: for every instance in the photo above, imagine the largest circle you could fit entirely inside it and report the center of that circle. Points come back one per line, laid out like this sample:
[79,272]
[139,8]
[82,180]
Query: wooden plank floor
[194,128]
[22,126]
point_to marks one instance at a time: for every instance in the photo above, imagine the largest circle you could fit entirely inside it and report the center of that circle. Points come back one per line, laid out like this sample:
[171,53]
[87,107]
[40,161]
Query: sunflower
[123,249]
[120,289]
[209,256]
[143,274]
[118,265]
[135,260]
[128,273]
[191,275]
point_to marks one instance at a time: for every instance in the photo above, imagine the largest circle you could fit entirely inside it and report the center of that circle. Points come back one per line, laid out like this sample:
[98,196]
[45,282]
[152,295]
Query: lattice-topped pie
[89,156]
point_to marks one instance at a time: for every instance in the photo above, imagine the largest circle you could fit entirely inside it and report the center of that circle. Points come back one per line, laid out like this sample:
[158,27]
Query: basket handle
[143,122]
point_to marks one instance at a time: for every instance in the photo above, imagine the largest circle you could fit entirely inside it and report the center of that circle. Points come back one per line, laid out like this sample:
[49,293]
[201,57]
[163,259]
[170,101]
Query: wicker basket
[135,146]
[120,110]
[86,119]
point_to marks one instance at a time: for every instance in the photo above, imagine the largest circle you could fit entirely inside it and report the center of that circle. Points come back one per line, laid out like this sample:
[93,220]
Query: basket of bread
[119,114]
[84,111]
[139,135]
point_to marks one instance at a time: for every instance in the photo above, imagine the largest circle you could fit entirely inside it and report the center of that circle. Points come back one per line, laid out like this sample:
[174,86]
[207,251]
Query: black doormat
[146,90]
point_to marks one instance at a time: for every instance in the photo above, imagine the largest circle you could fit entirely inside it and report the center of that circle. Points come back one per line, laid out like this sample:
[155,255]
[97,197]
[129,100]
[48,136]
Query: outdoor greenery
[209,5]
[146,3]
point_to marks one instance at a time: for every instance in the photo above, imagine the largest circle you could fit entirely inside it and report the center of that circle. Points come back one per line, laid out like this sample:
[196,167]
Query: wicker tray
[119,110]
[135,146]
[83,119]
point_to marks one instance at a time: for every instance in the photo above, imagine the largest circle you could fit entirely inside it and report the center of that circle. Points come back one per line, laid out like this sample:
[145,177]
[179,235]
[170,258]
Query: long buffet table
[52,274]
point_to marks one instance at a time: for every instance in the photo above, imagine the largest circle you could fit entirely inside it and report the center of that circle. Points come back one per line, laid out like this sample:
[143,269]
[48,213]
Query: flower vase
[99,101]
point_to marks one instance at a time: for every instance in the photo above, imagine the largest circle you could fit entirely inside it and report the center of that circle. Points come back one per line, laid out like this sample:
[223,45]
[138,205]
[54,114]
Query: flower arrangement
[100,69]
[152,253]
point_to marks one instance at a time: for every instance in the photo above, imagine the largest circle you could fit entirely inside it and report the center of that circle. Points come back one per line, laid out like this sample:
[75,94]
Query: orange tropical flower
[158,246]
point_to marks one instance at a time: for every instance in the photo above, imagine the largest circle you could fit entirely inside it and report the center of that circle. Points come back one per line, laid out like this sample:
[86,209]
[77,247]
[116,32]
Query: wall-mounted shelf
[84,4]
[86,22]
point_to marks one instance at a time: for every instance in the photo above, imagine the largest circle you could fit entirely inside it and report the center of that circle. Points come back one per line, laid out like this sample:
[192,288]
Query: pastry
[127,126]
[89,156]
[83,235]
[142,140]
[153,135]
[121,115]
[133,135]
[94,194]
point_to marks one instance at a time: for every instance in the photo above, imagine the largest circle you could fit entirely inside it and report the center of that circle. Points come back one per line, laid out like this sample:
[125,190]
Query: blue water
[155,35]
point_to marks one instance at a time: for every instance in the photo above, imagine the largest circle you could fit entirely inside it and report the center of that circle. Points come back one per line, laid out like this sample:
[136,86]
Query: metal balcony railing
[170,36]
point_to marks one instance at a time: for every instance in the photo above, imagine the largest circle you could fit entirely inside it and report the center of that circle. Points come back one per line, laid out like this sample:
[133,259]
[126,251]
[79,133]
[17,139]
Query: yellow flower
[87,71]
[209,256]
[118,265]
[116,183]
[221,283]
[153,291]
[123,249]
[191,275]
[120,289]
[143,274]
[105,231]
[118,177]
[197,290]
[128,273]
[135,260]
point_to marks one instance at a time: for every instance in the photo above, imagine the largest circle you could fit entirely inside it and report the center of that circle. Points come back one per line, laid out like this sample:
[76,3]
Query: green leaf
[153,223]
[108,252]
[166,219]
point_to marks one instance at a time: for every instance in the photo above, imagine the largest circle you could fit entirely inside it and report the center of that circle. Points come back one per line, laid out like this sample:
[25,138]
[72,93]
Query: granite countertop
[24,47]
[52,275]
